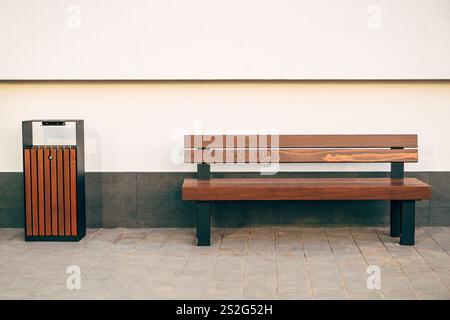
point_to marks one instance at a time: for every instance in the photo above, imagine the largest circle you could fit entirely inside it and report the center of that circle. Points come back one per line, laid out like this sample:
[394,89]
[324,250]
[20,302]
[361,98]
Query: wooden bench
[395,149]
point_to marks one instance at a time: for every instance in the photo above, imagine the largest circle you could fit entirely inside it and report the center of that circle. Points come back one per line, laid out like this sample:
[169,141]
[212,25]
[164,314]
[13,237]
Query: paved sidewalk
[249,263]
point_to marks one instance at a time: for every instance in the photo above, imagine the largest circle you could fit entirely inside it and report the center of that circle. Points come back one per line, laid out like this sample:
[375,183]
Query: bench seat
[305,189]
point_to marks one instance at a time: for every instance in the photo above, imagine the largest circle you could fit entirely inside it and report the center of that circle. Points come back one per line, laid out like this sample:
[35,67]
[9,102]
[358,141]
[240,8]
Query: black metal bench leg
[396,217]
[408,222]
[203,223]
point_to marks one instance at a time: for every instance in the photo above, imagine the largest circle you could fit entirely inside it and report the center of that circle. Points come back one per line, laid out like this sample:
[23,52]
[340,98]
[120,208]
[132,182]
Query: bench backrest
[379,148]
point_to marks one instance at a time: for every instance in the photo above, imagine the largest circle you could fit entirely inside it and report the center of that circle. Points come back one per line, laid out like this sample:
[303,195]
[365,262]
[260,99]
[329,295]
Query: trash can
[54,185]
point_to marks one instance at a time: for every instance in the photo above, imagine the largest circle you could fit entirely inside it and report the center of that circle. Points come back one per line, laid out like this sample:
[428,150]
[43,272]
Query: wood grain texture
[54,194]
[41,199]
[303,141]
[73,192]
[27,187]
[60,172]
[66,191]
[306,189]
[34,192]
[50,181]
[301,156]
[47,193]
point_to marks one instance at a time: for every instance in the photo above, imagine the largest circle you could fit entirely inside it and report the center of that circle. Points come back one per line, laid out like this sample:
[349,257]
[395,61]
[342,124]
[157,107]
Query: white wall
[130,126]
[224,39]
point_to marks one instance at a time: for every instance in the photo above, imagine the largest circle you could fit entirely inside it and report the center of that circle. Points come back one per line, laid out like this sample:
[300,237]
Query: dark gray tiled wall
[11,200]
[159,201]
[440,202]
[111,199]
[153,199]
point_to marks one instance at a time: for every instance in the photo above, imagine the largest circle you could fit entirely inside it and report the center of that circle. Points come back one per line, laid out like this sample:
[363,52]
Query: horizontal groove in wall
[201,81]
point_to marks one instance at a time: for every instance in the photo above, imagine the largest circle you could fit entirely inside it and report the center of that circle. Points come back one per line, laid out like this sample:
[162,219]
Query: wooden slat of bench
[306,189]
[301,156]
[306,141]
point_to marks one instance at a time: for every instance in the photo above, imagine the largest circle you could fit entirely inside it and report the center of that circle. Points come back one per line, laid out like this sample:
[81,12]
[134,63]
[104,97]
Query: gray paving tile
[330,294]
[218,289]
[294,286]
[154,293]
[301,263]
[228,275]
[190,291]
[367,296]
[295,296]
[399,294]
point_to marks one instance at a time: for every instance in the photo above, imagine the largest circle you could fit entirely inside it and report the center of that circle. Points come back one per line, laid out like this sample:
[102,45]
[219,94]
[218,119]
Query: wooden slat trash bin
[54,190]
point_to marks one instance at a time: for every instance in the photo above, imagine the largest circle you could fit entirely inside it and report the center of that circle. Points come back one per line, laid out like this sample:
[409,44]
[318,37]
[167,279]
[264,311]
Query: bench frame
[402,215]
[402,212]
